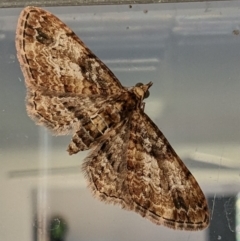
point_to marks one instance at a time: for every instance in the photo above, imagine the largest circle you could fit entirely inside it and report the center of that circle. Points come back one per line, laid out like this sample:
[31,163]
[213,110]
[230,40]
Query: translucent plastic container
[191,53]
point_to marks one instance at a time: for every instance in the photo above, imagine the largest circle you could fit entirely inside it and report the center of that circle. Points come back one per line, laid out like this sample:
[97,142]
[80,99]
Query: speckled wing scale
[69,90]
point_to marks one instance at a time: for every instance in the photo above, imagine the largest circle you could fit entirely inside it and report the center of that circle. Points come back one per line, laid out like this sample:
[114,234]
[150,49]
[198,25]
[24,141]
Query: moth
[131,163]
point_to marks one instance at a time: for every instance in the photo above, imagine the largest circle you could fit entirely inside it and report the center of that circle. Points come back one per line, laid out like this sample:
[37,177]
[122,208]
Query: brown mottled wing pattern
[137,168]
[132,164]
[161,186]
[56,65]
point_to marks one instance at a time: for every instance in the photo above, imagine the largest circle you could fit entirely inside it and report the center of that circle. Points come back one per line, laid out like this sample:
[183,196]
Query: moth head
[141,90]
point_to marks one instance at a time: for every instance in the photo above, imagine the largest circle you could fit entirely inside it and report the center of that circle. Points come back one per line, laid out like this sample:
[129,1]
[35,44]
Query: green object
[58,229]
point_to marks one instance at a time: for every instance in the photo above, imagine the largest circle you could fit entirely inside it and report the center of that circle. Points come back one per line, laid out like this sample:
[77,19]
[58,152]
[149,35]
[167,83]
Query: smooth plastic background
[191,51]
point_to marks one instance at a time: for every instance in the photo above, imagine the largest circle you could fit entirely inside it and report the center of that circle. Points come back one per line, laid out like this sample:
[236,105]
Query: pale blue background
[190,53]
